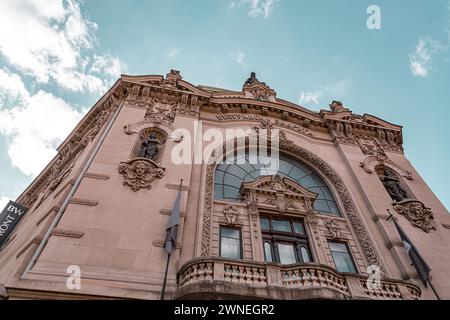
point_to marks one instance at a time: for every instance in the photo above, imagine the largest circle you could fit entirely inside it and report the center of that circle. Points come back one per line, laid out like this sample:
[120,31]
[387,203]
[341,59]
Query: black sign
[9,218]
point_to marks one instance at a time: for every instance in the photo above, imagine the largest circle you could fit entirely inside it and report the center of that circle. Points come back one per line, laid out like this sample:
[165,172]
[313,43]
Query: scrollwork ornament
[415,211]
[139,173]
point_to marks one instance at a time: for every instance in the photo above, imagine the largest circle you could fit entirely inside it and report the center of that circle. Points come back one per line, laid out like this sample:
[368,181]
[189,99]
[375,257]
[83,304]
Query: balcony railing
[219,276]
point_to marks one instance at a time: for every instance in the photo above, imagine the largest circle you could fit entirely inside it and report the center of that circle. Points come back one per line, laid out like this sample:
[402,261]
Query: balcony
[217,278]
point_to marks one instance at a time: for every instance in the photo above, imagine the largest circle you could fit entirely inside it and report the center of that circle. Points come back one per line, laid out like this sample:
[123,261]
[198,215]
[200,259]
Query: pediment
[173,80]
[364,120]
[277,185]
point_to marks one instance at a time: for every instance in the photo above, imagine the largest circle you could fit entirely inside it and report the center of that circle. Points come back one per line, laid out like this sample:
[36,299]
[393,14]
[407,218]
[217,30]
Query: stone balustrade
[230,278]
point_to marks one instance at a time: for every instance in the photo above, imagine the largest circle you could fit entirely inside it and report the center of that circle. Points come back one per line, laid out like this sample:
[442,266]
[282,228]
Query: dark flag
[172,226]
[419,263]
[9,218]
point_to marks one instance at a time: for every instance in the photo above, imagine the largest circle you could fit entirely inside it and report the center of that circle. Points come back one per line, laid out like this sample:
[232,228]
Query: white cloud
[256,8]
[172,53]
[238,57]
[310,97]
[51,40]
[11,88]
[335,91]
[35,126]
[420,61]
[3,202]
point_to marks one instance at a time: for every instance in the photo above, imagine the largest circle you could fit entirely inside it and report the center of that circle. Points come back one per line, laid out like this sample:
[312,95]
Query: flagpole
[165,278]
[428,280]
[163,290]
[434,290]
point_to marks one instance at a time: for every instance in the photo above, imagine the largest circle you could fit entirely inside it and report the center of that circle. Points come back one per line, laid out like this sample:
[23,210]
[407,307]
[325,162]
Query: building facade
[316,226]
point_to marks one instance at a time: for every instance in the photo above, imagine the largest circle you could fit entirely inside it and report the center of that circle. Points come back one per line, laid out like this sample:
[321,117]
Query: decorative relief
[161,110]
[252,209]
[334,231]
[351,128]
[295,127]
[377,156]
[337,106]
[275,192]
[231,213]
[371,162]
[416,212]
[206,224]
[139,173]
[311,219]
[258,90]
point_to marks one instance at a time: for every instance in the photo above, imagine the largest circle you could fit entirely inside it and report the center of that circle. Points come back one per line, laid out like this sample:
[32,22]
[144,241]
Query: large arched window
[229,177]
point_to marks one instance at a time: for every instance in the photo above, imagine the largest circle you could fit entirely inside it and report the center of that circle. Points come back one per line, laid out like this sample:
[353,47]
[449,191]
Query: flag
[419,263]
[172,226]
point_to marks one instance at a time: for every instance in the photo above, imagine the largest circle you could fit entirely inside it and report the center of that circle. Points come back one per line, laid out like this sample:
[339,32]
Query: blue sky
[57,57]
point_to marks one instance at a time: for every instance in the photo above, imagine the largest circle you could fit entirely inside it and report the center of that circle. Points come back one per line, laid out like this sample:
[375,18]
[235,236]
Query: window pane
[230,233]
[231,193]
[265,224]
[341,257]
[297,173]
[287,253]
[305,254]
[230,248]
[281,225]
[338,247]
[230,243]
[333,208]
[298,228]
[328,194]
[343,262]
[307,182]
[321,205]
[232,180]
[268,252]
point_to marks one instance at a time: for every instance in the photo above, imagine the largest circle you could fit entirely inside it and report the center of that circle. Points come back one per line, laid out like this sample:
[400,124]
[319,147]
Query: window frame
[274,237]
[241,245]
[347,247]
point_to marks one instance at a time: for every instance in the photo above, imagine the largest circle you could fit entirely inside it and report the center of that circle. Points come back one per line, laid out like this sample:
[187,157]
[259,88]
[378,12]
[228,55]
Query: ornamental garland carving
[286,145]
[416,212]
[139,173]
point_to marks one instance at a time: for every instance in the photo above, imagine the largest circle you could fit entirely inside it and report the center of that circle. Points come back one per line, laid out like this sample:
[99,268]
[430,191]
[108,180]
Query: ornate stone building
[314,228]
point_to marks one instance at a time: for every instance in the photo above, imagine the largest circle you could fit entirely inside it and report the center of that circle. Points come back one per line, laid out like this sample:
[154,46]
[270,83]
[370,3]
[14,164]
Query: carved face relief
[140,169]
[417,214]
[139,174]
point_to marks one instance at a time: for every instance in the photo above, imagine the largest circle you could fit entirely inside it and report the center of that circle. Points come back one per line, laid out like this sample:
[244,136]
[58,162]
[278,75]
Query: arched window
[229,177]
